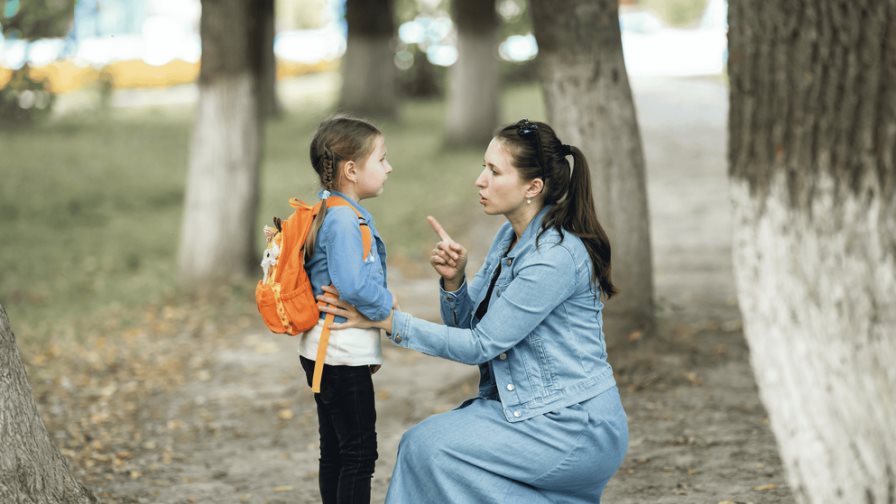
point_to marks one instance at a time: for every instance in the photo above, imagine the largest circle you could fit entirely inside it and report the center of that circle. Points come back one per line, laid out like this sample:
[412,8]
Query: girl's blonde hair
[338,139]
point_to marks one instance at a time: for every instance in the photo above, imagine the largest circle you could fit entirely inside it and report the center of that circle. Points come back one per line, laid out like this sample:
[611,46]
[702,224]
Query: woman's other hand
[448,258]
[353,317]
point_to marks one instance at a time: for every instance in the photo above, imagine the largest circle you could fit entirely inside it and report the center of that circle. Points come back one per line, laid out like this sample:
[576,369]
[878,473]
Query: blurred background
[97,104]
[149,364]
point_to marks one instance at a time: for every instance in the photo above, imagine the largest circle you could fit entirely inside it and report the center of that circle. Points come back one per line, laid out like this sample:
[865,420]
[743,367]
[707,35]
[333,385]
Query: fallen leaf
[283,489]
[693,378]
[766,487]
[635,336]
[286,414]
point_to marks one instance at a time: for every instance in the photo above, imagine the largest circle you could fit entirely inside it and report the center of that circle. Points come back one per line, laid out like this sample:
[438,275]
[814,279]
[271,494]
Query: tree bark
[812,149]
[589,104]
[473,100]
[369,76]
[31,468]
[265,63]
[218,229]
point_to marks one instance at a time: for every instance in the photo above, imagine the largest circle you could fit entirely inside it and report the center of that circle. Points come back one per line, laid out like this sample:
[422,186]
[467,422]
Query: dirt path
[244,430]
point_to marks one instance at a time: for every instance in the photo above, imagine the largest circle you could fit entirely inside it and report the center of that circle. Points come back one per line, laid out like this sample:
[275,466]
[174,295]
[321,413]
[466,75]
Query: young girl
[349,156]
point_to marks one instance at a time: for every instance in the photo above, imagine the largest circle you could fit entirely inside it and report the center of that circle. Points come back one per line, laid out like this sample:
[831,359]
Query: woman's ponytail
[580,217]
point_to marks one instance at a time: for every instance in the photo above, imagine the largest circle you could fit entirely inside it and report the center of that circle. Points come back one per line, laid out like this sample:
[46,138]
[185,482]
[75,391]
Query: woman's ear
[536,186]
[350,171]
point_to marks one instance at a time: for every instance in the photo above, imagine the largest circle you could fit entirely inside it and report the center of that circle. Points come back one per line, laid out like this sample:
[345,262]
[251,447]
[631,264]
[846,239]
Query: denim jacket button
[503,356]
[510,387]
[509,261]
[397,338]
[517,414]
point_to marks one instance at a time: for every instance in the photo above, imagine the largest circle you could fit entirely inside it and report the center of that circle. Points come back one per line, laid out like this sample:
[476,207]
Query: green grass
[90,205]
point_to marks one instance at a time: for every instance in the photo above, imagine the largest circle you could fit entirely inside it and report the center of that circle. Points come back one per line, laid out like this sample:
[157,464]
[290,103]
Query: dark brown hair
[538,153]
[338,139]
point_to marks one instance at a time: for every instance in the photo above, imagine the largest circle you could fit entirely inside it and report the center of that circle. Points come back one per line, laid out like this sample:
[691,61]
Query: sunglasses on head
[526,129]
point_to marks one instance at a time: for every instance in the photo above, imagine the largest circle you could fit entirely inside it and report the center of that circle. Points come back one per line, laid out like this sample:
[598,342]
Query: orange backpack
[284,295]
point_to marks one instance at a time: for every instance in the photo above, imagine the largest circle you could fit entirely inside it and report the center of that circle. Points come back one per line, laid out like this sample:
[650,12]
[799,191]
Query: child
[349,156]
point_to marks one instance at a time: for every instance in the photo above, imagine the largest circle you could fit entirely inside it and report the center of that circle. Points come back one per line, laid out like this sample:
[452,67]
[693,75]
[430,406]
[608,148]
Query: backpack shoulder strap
[366,236]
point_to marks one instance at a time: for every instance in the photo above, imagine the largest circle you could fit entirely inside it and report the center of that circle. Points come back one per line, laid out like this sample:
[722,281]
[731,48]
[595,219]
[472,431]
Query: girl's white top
[347,347]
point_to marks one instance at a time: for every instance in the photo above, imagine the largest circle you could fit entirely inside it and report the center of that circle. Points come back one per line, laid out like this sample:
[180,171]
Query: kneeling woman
[548,424]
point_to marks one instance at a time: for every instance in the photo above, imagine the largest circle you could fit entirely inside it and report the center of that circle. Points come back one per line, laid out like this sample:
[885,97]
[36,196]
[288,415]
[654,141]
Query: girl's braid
[328,172]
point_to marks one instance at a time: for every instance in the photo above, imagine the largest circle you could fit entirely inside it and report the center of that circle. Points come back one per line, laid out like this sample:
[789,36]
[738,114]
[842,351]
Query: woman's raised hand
[448,258]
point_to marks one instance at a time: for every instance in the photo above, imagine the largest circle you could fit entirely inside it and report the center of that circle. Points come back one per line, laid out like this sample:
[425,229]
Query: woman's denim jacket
[540,347]
[338,260]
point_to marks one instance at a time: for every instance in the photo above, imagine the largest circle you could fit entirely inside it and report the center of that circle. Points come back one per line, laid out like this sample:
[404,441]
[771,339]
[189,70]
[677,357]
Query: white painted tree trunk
[31,468]
[368,66]
[222,184]
[220,205]
[473,99]
[818,296]
[590,105]
[813,181]
[368,77]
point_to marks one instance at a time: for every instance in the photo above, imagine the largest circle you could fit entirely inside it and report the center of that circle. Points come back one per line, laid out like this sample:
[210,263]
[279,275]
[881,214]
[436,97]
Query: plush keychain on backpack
[272,251]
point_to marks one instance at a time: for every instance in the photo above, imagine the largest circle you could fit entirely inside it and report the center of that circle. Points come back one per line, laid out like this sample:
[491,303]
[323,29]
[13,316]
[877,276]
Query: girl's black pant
[347,418]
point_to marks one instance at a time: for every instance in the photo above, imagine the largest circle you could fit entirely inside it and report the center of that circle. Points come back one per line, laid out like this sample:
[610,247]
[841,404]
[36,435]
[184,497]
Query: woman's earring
[528,201]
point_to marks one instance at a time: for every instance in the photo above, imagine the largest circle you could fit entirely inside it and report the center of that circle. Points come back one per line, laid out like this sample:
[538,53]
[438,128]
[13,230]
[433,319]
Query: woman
[548,424]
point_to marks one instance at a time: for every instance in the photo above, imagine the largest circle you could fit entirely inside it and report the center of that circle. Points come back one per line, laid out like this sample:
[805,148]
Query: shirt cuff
[451,297]
[401,323]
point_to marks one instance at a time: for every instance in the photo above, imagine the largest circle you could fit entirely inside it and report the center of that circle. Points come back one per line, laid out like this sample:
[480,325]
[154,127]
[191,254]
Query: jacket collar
[364,213]
[528,236]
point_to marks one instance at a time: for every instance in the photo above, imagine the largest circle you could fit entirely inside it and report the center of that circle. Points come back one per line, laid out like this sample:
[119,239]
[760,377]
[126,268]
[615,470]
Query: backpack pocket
[301,307]
[267,307]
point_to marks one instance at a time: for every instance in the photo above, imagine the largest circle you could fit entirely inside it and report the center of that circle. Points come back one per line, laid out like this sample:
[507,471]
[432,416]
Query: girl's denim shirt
[540,346]
[338,260]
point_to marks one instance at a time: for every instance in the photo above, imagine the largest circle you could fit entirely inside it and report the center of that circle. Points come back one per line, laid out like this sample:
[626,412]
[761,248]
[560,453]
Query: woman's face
[501,190]
[374,170]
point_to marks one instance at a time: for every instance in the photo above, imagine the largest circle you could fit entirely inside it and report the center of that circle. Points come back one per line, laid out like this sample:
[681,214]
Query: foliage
[676,12]
[302,14]
[34,19]
[24,100]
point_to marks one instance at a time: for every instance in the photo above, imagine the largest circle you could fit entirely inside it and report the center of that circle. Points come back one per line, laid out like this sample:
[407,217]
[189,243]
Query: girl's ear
[350,171]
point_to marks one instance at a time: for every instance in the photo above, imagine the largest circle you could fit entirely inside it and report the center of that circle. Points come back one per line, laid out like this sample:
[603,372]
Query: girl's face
[373,171]
[501,190]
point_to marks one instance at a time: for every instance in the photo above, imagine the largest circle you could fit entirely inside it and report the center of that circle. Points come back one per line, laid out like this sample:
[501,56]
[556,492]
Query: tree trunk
[368,67]
[31,468]
[218,230]
[812,149]
[589,103]
[265,63]
[473,99]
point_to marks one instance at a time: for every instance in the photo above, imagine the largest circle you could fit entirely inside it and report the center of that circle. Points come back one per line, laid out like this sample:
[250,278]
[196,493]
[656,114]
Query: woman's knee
[417,446]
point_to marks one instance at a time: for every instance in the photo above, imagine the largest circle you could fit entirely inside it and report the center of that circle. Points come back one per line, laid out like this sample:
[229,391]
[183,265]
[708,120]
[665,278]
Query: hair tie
[566,150]
[324,194]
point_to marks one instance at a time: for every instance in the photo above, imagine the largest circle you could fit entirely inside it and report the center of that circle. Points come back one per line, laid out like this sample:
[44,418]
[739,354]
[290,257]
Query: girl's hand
[353,317]
[448,258]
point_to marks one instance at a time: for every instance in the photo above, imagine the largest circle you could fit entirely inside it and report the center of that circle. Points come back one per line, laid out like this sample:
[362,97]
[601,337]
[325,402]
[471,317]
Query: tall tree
[473,99]
[369,76]
[590,104]
[218,229]
[31,467]
[262,35]
[812,147]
